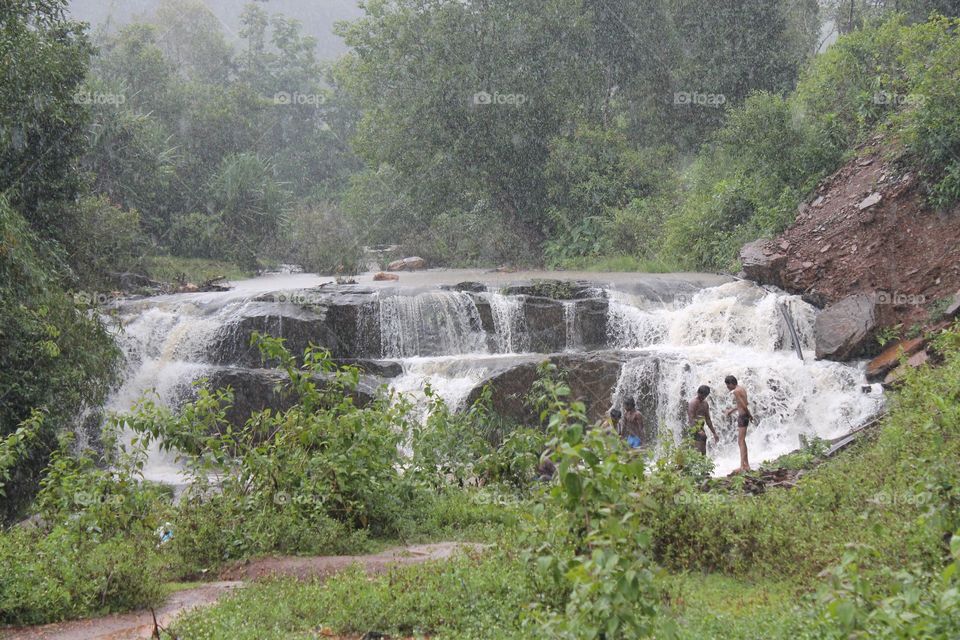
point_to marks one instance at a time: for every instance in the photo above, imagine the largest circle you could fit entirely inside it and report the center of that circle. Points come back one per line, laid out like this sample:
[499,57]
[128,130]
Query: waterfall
[430,324]
[571,335]
[631,327]
[164,349]
[736,313]
[510,331]
[737,330]
[672,339]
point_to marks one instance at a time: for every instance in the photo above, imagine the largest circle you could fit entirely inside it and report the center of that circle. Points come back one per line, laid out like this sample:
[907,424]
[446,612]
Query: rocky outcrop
[899,374]
[591,377]
[590,323]
[336,326]
[953,307]
[889,359]
[869,228]
[846,329]
[555,289]
[545,320]
[763,262]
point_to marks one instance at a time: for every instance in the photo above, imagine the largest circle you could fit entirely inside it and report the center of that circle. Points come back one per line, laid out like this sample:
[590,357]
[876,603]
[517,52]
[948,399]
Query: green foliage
[806,458]
[747,184]
[245,194]
[610,576]
[174,269]
[320,240]
[905,604]
[473,446]
[889,334]
[546,118]
[719,607]
[467,597]
[111,242]
[16,445]
[56,357]
[323,459]
[43,59]
[211,145]
[932,131]
[91,547]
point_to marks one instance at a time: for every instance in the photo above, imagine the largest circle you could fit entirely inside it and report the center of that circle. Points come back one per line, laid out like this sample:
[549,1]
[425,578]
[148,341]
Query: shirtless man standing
[743,418]
[632,429]
[698,414]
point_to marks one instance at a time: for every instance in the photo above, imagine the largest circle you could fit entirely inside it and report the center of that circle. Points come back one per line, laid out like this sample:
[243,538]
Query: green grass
[471,596]
[196,270]
[716,606]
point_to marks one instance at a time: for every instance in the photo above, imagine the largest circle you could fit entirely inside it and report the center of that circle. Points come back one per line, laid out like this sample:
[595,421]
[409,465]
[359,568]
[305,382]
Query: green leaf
[572,483]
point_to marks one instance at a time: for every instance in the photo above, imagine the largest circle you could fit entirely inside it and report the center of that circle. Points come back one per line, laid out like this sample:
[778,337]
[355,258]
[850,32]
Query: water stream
[673,334]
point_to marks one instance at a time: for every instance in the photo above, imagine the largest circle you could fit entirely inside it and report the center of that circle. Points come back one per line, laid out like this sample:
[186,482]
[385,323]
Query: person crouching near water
[698,414]
[743,418]
[632,425]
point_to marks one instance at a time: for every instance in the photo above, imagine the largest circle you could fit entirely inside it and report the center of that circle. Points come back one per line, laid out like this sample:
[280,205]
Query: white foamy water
[509,326]
[438,337]
[737,329]
[433,323]
[165,348]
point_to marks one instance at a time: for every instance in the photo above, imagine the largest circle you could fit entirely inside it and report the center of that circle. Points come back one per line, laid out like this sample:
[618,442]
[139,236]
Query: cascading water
[457,340]
[572,339]
[166,343]
[434,323]
[510,331]
[737,330]
[163,349]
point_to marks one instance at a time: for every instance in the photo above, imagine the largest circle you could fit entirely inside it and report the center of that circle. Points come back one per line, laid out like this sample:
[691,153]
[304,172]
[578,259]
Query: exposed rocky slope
[868,234]
[868,229]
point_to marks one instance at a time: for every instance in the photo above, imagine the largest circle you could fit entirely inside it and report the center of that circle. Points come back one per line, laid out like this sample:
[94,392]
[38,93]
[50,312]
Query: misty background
[316,16]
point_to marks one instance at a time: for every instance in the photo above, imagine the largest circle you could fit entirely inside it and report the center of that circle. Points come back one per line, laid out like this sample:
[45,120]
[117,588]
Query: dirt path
[139,624]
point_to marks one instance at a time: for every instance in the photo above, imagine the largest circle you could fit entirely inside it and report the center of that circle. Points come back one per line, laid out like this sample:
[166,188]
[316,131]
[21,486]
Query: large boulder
[257,389]
[592,379]
[763,262]
[846,329]
[590,323]
[953,307]
[545,320]
[412,263]
[348,329]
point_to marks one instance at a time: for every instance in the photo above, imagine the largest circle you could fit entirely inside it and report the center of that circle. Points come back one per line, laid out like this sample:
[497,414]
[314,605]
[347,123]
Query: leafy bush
[748,183]
[91,547]
[932,129]
[299,472]
[896,604]
[479,237]
[57,357]
[319,239]
[111,241]
[610,577]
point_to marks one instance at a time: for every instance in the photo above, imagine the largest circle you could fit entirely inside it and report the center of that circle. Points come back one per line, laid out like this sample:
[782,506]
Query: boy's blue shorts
[633,441]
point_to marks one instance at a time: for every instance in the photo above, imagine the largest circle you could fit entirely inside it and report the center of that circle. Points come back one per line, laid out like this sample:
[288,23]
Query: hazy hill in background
[317,16]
